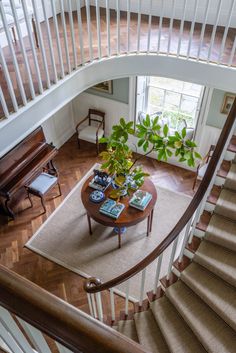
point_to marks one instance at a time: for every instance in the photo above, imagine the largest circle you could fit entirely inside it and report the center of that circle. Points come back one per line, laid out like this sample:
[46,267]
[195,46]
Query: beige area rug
[64,238]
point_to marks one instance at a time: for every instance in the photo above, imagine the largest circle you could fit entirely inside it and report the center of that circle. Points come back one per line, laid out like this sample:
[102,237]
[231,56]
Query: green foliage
[152,136]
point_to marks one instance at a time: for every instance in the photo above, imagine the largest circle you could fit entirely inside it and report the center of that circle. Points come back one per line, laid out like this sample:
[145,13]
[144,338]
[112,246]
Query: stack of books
[140,199]
[112,208]
[96,184]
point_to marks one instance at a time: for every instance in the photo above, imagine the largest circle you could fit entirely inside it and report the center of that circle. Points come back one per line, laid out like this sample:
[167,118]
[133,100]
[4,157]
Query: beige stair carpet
[148,332]
[214,334]
[230,182]
[219,260]
[127,328]
[222,231]
[218,294]
[178,335]
[226,204]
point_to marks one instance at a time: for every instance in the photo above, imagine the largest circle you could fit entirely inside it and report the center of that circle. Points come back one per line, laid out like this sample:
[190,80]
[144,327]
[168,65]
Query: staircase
[196,310]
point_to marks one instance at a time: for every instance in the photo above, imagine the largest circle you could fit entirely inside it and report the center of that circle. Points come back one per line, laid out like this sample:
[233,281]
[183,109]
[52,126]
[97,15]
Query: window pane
[172,101]
[189,105]
[156,98]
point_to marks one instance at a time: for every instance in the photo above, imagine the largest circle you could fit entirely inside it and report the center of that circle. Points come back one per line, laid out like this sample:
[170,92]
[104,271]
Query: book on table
[140,199]
[112,208]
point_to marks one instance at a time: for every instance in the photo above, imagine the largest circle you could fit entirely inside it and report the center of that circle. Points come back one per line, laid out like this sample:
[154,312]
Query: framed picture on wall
[105,87]
[227,103]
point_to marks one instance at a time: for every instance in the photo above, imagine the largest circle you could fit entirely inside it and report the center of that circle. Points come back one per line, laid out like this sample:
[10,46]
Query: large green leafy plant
[151,137]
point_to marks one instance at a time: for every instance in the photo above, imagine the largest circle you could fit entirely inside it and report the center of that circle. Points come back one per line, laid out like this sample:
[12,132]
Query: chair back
[98,116]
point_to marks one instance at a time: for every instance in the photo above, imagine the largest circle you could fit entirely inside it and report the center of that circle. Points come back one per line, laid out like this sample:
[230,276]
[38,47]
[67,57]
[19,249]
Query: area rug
[64,238]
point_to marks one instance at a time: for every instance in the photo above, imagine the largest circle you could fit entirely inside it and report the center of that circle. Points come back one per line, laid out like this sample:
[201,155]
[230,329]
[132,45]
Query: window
[177,100]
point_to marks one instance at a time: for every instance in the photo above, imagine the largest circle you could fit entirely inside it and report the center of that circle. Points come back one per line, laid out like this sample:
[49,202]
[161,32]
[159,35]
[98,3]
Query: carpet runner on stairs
[198,312]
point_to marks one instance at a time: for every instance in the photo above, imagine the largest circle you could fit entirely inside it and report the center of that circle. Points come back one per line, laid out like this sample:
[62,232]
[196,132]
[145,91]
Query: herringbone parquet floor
[72,164]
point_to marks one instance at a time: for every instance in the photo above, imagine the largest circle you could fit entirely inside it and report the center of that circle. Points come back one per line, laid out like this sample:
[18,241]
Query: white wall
[60,127]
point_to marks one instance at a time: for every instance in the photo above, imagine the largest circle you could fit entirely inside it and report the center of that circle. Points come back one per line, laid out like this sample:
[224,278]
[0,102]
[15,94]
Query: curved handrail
[64,323]
[94,285]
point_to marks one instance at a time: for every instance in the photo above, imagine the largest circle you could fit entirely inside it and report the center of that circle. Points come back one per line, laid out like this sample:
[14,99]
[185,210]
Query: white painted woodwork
[192,27]
[99,306]
[57,39]
[228,24]
[149,27]
[98,29]
[160,26]
[112,303]
[81,41]
[214,30]
[87,2]
[128,26]
[72,32]
[139,26]
[9,340]
[62,349]
[64,30]
[108,28]
[172,257]
[118,26]
[157,275]
[143,278]
[203,28]
[127,285]
[3,103]
[171,26]
[94,306]
[90,304]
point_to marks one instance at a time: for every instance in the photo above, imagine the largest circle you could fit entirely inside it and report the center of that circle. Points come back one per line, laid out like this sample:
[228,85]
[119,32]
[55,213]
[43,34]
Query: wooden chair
[202,167]
[92,133]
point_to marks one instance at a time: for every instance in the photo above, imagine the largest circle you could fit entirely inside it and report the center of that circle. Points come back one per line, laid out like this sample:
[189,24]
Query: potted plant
[151,136]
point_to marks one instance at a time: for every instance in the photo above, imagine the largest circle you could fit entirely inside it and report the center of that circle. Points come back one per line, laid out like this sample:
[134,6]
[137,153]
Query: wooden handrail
[94,285]
[71,327]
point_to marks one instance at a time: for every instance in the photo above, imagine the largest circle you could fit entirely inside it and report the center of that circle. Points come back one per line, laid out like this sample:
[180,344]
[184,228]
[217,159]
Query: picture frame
[227,103]
[105,87]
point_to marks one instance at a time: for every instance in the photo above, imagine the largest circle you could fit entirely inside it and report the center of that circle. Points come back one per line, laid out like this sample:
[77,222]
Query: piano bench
[41,185]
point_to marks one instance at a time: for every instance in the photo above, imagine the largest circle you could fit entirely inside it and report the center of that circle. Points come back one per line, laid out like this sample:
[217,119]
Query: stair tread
[178,336]
[222,231]
[149,334]
[230,182]
[215,335]
[218,294]
[127,328]
[217,259]
[226,204]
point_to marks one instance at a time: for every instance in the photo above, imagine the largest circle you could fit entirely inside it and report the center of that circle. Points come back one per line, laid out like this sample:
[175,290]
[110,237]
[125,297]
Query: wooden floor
[72,164]
[113,36]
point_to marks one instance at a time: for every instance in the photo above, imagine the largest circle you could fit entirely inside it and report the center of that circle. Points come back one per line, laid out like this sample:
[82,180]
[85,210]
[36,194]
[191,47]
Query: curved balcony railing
[43,41]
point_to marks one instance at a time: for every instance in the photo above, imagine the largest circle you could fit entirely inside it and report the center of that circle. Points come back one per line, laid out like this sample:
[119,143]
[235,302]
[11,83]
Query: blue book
[112,208]
[140,203]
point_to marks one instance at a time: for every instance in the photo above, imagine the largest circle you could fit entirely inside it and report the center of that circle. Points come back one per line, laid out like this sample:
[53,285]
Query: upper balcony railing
[43,41]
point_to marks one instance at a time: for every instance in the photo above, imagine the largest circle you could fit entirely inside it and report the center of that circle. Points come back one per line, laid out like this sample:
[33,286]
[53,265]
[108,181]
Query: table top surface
[129,216]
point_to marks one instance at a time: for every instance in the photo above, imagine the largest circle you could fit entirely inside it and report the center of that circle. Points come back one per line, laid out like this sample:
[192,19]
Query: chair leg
[97,145]
[43,204]
[59,188]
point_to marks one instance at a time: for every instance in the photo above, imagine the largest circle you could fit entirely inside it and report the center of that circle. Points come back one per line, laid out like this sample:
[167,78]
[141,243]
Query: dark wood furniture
[92,133]
[21,165]
[129,216]
[41,185]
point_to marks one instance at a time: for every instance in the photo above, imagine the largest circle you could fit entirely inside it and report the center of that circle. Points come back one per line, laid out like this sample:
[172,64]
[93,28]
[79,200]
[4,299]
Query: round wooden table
[128,217]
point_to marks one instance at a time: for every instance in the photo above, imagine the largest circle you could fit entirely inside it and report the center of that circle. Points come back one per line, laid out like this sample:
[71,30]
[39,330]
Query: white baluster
[9,340]
[171,26]
[172,256]
[99,306]
[63,21]
[218,13]
[72,31]
[23,51]
[50,45]
[232,53]
[13,55]
[87,2]
[118,25]
[98,29]
[35,336]
[81,42]
[3,103]
[158,271]
[128,26]
[143,278]
[90,304]
[185,240]
[11,326]
[149,27]
[181,28]
[108,28]
[8,80]
[41,43]
[94,306]
[192,27]
[32,45]
[228,23]
[112,301]
[127,297]
[139,26]
[203,28]
[57,38]
[160,26]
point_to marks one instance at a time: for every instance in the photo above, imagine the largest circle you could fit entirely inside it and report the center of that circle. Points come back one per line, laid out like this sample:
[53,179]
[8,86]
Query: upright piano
[21,165]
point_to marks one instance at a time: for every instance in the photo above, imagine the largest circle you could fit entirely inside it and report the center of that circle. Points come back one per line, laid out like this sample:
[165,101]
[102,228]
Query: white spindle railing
[21,337]
[67,42]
